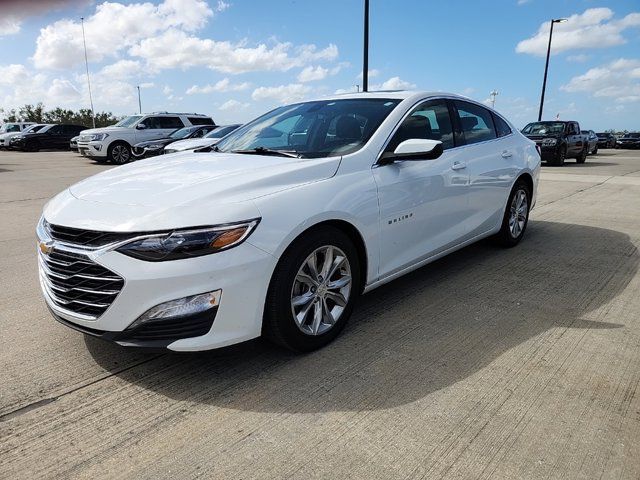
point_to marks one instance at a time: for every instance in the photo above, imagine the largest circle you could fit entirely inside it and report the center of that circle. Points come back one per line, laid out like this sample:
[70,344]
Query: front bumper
[241,273]
[92,149]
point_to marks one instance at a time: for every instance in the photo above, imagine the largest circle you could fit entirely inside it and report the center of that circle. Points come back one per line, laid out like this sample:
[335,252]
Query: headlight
[155,146]
[98,137]
[549,142]
[180,244]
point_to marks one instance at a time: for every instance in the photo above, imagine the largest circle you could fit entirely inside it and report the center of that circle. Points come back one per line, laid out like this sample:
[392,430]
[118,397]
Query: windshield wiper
[268,151]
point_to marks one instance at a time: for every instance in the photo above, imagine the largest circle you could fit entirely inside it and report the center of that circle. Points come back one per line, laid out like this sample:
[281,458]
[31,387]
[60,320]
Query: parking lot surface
[490,363]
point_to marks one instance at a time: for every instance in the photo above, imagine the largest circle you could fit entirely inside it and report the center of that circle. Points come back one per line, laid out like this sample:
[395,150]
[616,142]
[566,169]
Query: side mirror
[413,149]
[141,126]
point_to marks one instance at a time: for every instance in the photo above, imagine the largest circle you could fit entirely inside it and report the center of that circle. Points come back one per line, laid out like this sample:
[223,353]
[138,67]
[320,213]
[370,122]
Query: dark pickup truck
[558,140]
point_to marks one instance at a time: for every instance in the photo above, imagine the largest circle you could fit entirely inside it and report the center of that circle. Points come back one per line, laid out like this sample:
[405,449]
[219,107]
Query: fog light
[179,308]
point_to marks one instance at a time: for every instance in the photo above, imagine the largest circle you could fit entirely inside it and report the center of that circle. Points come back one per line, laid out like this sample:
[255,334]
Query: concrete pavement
[490,363]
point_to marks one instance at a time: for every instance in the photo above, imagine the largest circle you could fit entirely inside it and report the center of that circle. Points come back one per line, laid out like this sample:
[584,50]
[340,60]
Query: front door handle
[506,154]
[458,166]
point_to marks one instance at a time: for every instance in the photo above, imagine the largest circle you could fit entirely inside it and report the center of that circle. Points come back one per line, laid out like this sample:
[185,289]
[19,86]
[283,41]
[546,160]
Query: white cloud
[112,28]
[310,74]
[594,28]
[282,93]
[122,69]
[175,49]
[232,105]
[146,85]
[371,74]
[618,80]
[222,6]
[580,58]
[394,83]
[167,90]
[9,25]
[223,85]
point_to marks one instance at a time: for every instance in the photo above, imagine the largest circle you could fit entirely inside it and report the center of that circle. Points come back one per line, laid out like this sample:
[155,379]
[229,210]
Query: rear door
[489,151]
[51,139]
[153,131]
[170,124]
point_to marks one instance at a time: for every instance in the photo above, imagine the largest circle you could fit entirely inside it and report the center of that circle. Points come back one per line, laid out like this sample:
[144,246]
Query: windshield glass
[221,131]
[128,122]
[542,128]
[10,127]
[313,129]
[33,129]
[183,132]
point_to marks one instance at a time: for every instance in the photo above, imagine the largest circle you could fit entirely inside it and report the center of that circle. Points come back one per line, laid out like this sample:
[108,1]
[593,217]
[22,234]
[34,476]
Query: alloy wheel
[321,290]
[120,154]
[518,213]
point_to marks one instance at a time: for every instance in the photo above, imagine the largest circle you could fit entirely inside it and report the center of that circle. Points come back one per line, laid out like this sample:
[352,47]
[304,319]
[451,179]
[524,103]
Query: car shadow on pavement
[424,332]
[589,163]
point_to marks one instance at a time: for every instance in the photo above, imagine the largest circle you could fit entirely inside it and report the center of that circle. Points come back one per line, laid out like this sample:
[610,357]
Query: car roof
[394,94]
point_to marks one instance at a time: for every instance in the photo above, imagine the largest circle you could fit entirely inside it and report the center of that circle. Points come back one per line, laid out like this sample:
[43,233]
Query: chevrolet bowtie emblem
[46,247]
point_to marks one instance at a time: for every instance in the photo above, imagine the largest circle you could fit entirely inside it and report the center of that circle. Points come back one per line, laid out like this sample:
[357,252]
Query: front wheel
[595,150]
[516,215]
[560,157]
[119,153]
[313,290]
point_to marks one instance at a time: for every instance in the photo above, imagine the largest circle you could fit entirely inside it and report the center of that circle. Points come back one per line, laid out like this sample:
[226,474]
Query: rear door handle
[458,166]
[506,154]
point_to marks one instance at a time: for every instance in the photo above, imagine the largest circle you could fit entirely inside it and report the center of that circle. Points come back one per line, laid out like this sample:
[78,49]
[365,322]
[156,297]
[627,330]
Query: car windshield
[312,129]
[221,131]
[45,128]
[10,127]
[128,122]
[542,128]
[32,129]
[183,132]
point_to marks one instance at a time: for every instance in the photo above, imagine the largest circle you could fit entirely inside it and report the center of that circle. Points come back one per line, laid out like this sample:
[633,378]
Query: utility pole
[546,66]
[139,101]
[86,64]
[493,95]
[365,60]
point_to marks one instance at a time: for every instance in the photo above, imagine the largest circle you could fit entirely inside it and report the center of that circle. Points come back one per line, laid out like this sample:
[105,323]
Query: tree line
[38,113]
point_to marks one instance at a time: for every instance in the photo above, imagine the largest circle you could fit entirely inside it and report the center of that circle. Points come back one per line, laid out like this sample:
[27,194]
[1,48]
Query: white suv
[8,130]
[114,143]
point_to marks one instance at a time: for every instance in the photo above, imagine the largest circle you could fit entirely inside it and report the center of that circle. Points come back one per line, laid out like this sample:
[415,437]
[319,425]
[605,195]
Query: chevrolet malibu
[280,228]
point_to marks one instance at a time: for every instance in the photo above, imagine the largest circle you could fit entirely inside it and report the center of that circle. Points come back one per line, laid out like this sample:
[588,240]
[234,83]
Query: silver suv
[114,143]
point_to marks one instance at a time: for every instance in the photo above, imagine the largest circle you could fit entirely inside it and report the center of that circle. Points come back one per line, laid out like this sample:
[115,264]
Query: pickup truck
[558,140]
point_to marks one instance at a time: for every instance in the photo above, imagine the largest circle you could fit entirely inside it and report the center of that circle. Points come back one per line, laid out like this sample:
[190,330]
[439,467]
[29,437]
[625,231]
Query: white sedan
[279,229]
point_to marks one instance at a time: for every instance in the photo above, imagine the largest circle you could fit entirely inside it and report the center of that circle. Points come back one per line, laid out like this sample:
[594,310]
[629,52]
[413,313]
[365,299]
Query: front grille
[76,283]
[86,238]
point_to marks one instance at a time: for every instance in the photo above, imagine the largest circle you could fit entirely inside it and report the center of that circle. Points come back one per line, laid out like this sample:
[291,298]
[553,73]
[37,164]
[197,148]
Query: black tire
[119,153]
[505,236]
[595,150]
[560,157]
[583,156]
[279,324]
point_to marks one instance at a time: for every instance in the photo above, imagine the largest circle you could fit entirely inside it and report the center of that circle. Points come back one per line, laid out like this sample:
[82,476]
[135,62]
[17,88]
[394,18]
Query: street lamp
[546,66]
[139,100]
[493,96]
[86,64]
[365,59]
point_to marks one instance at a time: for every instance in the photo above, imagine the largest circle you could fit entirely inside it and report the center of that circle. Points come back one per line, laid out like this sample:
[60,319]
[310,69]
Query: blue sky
[235,59]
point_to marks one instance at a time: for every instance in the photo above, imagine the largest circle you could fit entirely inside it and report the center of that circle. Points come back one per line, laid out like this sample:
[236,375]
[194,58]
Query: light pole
[546,66]
[365,59]
[86,64]
[139,101]
[493,95]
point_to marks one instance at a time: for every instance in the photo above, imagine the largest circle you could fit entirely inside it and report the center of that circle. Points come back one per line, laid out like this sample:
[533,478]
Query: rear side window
[476,122]
[200,121]
[502,127]
[170,122]
[429,120]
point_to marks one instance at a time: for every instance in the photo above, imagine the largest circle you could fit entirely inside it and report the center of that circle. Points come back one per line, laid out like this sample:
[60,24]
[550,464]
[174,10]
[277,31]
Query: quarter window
[170,122]
[476,122]
[429,120]
[502,127]
[200,121]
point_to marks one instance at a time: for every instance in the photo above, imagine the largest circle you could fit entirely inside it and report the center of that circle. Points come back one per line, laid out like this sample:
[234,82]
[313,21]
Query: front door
[423,203]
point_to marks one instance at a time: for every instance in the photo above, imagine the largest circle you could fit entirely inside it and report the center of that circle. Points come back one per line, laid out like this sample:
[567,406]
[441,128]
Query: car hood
[541,137]
[188,178]
[106,130]
[192,143]
[160,141]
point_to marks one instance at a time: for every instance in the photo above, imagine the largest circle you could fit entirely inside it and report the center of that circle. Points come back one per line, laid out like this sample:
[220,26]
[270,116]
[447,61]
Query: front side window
[543,128]
[475,121]
[429,120]
[152,123]
[313,129]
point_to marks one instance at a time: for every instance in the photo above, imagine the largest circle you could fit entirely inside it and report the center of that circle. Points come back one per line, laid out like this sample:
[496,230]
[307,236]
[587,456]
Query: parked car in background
[5,138]
[151,148]
[208,140]
[592,141]
[48,137]
[278,230]
[73,143]
[629,140]
[14,127]
[114,143]
[606,140]
[558,140]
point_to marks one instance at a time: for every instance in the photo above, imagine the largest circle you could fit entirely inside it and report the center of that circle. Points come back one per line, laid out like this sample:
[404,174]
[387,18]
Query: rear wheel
[313,290]
[516,215]
[583,156]
[119,153]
